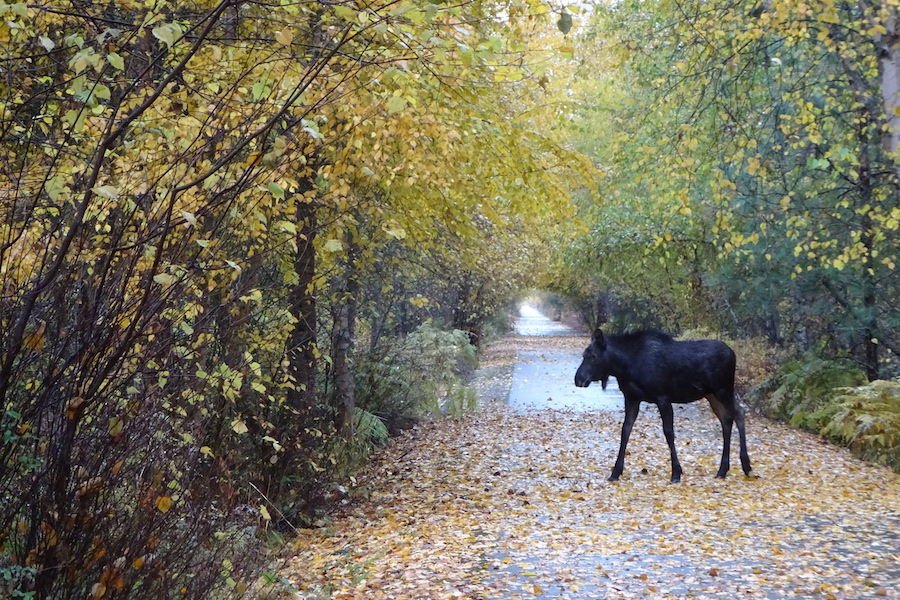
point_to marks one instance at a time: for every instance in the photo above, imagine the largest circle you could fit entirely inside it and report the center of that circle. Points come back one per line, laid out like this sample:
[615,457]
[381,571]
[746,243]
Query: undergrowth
[833,399]
[369,433]
[865,418]
[423,374]
[803,386]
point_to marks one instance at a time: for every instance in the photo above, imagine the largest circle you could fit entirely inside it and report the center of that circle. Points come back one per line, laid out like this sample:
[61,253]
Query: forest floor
[514,503]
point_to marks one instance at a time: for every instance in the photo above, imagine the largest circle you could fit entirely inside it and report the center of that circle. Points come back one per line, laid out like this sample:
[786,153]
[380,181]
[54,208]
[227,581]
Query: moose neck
[618,361]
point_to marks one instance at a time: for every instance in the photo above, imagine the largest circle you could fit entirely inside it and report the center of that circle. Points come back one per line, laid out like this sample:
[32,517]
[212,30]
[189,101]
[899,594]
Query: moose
[651,366]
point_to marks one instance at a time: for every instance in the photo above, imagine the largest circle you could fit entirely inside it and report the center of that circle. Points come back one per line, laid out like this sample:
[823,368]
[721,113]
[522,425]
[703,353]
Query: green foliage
[500,323]
[866,418]
[14,578]
[802,387]
[16,435]
[421,374]
[459,400]
[440,360]
[383,386]
[643,247]
[369,433]
[749,179]
[370,430]
[833,399]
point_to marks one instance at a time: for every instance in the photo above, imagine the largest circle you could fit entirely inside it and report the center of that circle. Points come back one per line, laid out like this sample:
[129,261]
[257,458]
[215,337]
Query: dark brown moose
[652,367]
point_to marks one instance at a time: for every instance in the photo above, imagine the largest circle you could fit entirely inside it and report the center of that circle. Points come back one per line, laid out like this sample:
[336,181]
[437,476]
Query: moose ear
[598,339]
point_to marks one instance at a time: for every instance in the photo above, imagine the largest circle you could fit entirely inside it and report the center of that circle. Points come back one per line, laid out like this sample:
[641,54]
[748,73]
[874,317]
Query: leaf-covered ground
[503,505]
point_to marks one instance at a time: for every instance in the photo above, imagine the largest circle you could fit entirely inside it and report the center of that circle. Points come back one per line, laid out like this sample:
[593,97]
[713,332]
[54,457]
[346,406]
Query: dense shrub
[422,374]
[802,387]
[500,323]
[756,362]
[833,399]
[347,455]
[865,418]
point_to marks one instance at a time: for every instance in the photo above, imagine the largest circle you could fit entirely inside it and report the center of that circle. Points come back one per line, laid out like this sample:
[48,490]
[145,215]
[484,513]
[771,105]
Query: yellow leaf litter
[503,505]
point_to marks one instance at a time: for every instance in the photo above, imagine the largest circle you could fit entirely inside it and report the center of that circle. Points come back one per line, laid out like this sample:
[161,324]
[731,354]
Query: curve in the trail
[545,378]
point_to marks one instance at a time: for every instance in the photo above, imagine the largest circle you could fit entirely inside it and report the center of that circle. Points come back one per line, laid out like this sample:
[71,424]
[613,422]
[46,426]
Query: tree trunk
[867,238]
[890,91]
[347,291]
[301,351]
[869,309]
[889,66]
[889,55]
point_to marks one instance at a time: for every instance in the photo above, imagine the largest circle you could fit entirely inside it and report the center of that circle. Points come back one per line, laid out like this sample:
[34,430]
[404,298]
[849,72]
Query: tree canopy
[752,168]
[203,207]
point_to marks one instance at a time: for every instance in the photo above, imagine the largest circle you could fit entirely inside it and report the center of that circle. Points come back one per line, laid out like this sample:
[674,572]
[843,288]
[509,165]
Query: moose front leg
[632,407]
[668,424]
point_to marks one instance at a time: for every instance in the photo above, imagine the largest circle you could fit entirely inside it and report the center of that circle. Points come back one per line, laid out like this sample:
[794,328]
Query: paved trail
[543,377]
[513,502]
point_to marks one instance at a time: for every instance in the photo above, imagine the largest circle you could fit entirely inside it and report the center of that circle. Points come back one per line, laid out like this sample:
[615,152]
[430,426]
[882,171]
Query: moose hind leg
[726,418]
[742,435]
[668,423]
[631,413]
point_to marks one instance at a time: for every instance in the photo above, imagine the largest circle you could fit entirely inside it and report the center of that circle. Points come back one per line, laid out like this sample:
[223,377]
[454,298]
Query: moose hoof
[613,478]
[720,475]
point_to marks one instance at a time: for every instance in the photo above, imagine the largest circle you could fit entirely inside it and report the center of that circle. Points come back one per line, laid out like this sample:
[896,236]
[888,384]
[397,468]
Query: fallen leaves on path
[503,505]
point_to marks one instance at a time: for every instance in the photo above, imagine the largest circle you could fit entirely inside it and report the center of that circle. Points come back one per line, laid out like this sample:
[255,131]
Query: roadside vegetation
[243,243]
[240,243]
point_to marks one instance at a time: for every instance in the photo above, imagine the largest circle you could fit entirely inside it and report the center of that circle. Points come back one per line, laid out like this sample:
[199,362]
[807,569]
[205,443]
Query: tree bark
[301,351]
[347,291]
[888,45]
[890,92]
[890,86]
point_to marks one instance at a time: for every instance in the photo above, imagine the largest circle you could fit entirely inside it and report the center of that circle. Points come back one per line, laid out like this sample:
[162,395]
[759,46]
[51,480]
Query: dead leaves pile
[502,506]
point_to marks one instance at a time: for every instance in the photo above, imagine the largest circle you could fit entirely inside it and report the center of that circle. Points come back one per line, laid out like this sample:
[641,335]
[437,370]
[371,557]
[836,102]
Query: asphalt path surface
[544,378]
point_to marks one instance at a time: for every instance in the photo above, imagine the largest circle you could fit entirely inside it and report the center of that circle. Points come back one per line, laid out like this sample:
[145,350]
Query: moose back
[653,367]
